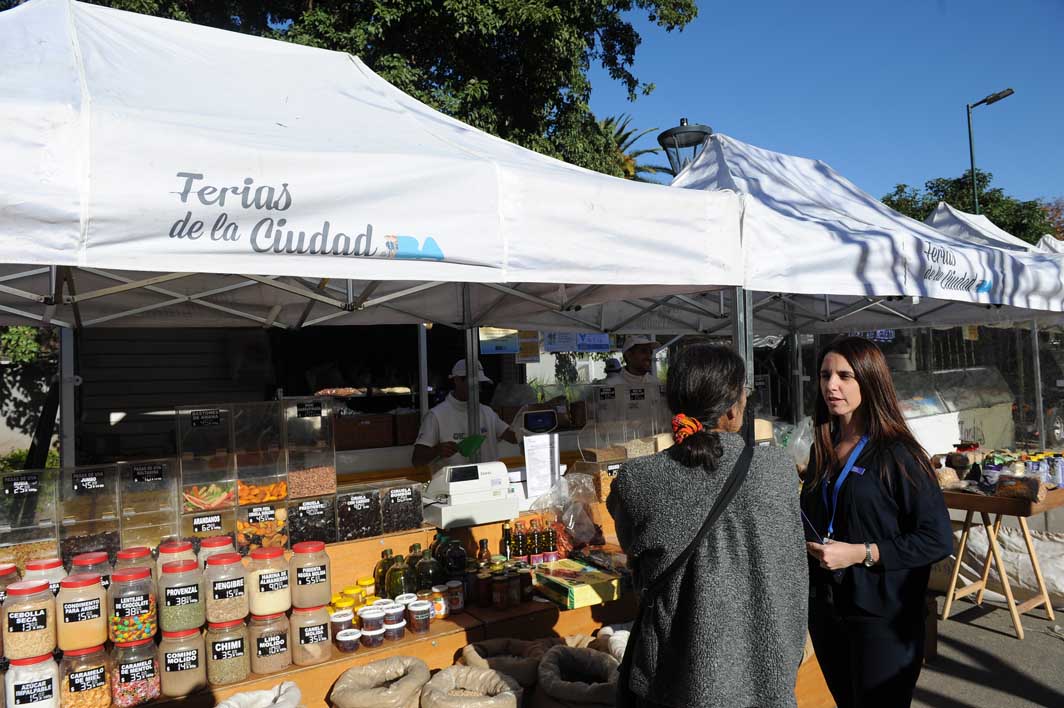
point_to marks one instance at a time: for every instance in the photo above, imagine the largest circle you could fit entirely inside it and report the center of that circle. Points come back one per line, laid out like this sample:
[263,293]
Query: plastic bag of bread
[1029,488]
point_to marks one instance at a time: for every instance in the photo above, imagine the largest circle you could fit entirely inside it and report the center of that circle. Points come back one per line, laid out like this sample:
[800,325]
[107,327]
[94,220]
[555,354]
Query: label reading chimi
[179,595]
[315,634]
[228,649]
[310,575]
[181,660]
[227,589]
[87,680]
[274,580]
[81,611]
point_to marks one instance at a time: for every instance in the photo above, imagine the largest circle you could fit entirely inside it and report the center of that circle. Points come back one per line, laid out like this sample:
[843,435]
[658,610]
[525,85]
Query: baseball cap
[635,340]
[460,370]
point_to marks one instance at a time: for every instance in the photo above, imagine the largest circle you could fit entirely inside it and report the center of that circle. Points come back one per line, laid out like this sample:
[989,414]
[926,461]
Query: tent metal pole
[550,306]
[295,290]
[23,274]
[423,368]
[894,312]
[1037,370]
[472,367]
[67,429]
[130,285]
[649,308]
[30,315]
[743,341]
[796,366]
[699,307]
[400,294]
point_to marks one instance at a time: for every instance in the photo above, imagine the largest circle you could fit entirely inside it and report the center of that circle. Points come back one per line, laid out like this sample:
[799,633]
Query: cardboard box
[572,584]
[603,473]
[604,454]
[406,428]
[363,431]
[762,430]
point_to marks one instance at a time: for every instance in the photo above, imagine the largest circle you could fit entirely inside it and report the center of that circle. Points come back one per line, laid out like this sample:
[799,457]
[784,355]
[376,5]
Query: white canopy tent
[1050,244]
[160,173]
[975,229]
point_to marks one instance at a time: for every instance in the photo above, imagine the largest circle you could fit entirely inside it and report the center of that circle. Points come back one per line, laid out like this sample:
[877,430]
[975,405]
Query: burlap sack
[611,641]
[468,687]
[576,678]
[388,683]
[516,658]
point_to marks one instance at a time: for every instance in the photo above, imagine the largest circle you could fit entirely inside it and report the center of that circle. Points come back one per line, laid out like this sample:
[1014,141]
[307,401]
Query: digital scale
[467,495]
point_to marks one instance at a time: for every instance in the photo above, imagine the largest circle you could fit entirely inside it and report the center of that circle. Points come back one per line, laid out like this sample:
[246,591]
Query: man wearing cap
[446,425]
[638,355]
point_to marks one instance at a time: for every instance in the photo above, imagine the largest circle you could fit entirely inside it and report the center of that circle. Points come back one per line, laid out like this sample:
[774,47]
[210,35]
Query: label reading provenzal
[309,409]
[148,473]
[26,620]
[228,649]
[314,634]
[272,644]
[34,691]
[207,522]
[205,418]
[81,611]
[261,514]
[87,680]
[132,605]
[227,589]
[87,481]
[274,580]
[180,595]
[310,575]
[136,671]
[181,660]
[19,484]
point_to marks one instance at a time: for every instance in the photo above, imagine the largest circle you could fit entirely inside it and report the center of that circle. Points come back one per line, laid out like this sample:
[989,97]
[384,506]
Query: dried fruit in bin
[258,493]
[208,496]
[263,534]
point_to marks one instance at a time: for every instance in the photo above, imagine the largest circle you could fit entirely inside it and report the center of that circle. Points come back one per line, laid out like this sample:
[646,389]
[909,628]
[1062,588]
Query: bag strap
[727,493]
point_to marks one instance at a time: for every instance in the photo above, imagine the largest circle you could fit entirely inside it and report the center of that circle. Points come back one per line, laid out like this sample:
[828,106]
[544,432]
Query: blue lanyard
[838,483]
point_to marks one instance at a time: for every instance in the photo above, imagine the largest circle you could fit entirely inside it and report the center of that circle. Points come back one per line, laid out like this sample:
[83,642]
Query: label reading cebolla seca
[26,620]
[273,581]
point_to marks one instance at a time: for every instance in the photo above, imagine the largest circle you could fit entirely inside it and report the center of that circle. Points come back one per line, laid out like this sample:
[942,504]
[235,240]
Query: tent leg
[67,428]
[472,367]
[743,341]
[1039,410]
[423,368]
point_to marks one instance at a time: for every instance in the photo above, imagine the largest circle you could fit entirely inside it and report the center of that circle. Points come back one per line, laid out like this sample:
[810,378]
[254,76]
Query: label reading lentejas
[310,575]
[88,679]
[132,605]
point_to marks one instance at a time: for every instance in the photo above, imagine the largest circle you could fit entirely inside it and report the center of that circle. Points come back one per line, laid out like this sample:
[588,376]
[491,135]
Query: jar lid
[348,634]
[420,606]
[94,558]
[134,552]
[83,652]
[454,584]
[308,609]
[27,587]
[137,643]
[382,602]
[182,566]
[341,615]
[7,569]
[224,559]
[439,588]
[364,582]
[43,564]
[346,602]
[366,633]
[175,547]
[268,617]
[371,613]
[308,547]
[181,634]
[128,574]
[216,542]
[80,580]
[227,624]
[398,625]
[405,598]
[266,553]
[31,661]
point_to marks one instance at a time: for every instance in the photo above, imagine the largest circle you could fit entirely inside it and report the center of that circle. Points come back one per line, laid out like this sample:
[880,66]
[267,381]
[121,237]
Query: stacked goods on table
[1008,473]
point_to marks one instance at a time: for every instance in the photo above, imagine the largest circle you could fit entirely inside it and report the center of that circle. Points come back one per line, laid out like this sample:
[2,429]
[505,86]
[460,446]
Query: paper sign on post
[542,466]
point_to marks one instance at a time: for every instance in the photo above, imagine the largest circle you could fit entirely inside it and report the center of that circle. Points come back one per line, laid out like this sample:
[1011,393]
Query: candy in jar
[135,676]
[84,678]
[131,605]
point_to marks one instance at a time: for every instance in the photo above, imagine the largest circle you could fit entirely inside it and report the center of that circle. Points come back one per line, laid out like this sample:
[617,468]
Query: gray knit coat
[729,628]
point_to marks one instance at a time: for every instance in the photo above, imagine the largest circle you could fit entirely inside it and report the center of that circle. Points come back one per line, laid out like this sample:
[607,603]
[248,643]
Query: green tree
[514,68]
[1027,220]
[1055,216]
[28,363]
[628,157]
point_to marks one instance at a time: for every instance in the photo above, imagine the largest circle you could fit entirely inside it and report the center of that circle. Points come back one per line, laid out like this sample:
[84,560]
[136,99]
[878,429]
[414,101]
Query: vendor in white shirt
[638,355]
[447,424]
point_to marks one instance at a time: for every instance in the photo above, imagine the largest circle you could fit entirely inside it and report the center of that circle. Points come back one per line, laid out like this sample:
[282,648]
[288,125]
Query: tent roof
[1050,244]
[129,131]
[974,229]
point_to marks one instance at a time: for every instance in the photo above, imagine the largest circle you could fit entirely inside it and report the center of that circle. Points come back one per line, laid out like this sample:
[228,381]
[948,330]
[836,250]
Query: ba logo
[410,248]
[985,286]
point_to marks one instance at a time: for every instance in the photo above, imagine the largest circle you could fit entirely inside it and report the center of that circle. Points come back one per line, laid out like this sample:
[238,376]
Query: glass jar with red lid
[310,574]
[213,546]
[8,575]
[131,605]
[173,551]
[50,569]
[96,562]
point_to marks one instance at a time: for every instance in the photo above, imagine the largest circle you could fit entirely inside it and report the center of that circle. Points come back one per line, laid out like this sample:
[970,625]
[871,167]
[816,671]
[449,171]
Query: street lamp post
[683,137]
[992,98]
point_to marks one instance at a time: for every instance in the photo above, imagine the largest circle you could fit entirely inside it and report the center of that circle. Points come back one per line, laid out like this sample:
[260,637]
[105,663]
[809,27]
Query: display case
[88,511]
[204,524]
[358,512]
[27,516]
[257,426]
[311,472]
[260,463]
[148,501]
[400,505]
[207,483]
[312,519]
[978,387]
[917,395]
[619,414]
[308,422]
[204,431]
[262,526]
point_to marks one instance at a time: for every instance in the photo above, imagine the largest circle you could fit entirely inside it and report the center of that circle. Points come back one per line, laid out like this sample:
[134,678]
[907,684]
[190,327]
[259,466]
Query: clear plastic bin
[204,431]
[217,522]
[311,472]
[312,519]
[27,516]
[207,483]
[262,526]
[400,505]
[148,487]
[261,476]
[88,511]
[358,512]
[257,427]
[308,422]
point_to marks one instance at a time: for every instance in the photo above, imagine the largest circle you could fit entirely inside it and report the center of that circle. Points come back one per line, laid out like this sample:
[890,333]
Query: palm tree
[624,138]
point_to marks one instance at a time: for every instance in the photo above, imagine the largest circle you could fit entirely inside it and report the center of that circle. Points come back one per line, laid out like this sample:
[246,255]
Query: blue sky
[876,89]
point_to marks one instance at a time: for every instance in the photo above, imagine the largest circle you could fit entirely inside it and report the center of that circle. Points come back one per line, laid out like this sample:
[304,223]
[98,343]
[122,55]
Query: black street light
[992,98]
[675,141]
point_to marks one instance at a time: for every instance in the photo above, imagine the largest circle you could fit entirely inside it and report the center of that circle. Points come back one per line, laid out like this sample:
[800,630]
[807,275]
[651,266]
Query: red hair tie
[683,427]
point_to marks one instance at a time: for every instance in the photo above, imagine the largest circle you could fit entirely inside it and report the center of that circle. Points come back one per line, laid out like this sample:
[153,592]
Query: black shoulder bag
[650,593]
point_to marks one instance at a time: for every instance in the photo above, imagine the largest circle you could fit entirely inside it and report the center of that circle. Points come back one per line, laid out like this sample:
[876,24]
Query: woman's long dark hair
[704,382]
[885,424]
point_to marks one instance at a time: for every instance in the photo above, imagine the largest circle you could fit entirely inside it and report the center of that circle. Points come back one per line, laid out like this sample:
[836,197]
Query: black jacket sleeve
[925,534]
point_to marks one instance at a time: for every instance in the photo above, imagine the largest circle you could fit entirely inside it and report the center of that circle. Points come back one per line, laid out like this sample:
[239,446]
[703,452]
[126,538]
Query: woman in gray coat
[727,628]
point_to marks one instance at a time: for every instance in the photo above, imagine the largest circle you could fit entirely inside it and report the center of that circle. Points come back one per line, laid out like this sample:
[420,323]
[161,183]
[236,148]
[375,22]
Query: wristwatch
[868,555]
